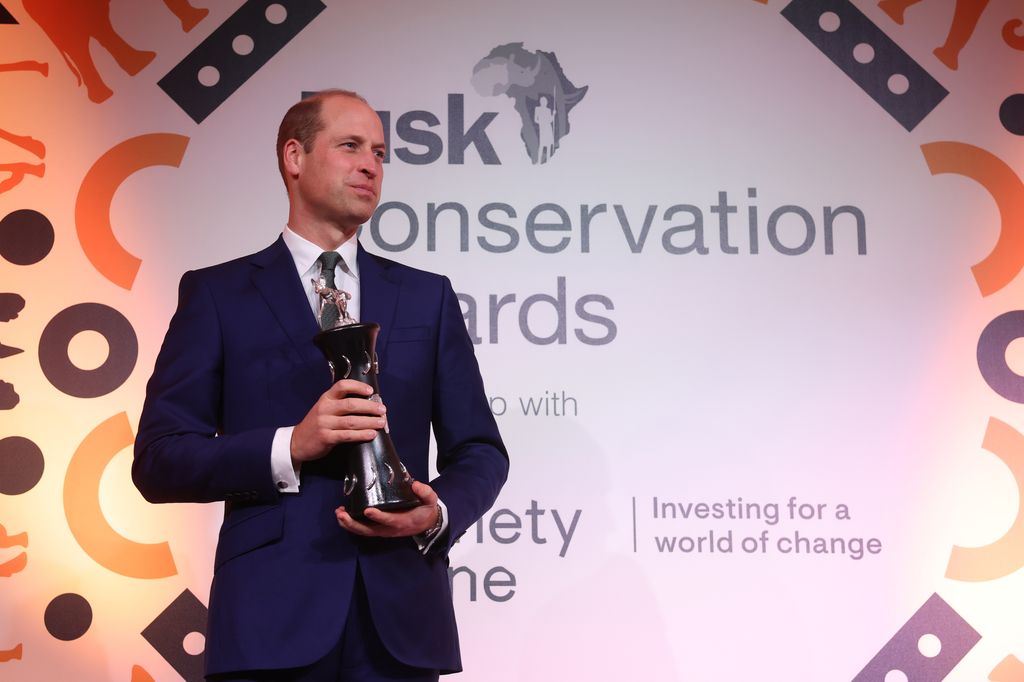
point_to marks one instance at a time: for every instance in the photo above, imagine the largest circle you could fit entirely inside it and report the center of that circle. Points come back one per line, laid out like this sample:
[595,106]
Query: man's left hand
[395,524]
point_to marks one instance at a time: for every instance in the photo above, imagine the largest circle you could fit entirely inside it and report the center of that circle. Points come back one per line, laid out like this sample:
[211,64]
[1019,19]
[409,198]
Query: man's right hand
[343,414]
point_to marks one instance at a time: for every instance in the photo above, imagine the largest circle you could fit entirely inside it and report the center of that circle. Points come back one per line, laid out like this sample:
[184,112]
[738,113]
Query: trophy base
[401,505]
[397,506]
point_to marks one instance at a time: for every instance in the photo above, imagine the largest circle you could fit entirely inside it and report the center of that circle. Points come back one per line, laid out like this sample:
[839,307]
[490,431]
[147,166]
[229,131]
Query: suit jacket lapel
[378,294]
[274,277]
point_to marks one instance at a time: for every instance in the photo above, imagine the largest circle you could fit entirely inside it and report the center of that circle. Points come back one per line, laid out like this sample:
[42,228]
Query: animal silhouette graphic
[965,20]
[71,25]
[17,171]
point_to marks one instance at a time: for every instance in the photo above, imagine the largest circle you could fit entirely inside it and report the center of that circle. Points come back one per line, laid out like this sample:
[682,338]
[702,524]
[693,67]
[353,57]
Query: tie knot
[328,261]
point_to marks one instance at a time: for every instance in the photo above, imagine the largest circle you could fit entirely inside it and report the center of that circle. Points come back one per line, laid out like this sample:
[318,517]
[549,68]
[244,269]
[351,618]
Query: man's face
[339,179]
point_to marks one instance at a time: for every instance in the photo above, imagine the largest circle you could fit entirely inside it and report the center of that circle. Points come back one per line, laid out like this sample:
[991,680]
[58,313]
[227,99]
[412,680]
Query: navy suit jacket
[237,363]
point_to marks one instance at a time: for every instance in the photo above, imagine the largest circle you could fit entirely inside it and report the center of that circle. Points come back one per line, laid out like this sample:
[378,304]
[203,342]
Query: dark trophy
[374,475]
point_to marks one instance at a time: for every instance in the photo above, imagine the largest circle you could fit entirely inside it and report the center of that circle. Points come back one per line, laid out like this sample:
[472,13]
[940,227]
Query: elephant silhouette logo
[71,25]
[542,94]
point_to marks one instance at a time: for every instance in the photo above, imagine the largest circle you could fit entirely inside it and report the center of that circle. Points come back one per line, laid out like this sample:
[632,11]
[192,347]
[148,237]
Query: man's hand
[395,524]
[341,415]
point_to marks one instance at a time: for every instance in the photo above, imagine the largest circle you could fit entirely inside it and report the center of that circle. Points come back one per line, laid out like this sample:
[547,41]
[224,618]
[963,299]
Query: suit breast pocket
[249,528]
[408,358]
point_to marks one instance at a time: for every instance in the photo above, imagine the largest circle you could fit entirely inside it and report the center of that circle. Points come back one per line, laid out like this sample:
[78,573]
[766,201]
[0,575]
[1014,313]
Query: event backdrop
[742,275]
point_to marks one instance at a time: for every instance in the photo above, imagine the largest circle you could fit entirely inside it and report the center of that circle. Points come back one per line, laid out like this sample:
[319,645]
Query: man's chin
[355,217]
[364,212]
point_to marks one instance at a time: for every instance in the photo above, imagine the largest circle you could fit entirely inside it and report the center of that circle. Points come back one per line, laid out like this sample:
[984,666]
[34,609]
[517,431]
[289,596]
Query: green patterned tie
[328,261]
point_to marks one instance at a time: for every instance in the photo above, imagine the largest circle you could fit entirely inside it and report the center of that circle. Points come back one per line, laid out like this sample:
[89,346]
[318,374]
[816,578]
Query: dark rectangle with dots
[218,50]
[6,17]
[167,633]
[854,28]
[903,652]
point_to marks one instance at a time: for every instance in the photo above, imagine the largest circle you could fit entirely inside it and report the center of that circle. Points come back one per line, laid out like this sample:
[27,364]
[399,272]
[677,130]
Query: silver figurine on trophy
[374,474]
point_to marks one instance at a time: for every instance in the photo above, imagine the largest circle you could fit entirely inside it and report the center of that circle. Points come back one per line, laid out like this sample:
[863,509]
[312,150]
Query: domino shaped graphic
[839,29]
[234,52]
[908,652]
[183,616]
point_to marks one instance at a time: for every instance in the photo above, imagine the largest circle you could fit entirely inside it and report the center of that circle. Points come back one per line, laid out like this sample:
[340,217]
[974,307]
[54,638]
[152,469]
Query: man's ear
[293,156]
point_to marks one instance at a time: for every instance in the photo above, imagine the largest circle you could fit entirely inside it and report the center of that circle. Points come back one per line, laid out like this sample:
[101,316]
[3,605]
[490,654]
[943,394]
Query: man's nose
[368,164]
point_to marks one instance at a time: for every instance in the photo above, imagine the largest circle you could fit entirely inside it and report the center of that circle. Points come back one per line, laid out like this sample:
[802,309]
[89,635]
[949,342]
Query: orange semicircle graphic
[101,182]
[1005,555]
[1006,259]
[85,517]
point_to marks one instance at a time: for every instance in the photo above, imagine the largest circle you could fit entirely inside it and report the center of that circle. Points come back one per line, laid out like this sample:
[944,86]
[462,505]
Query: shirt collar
[305,253]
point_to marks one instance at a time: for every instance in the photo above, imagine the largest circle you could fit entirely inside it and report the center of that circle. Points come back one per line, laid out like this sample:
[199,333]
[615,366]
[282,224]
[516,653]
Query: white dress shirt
[346,277]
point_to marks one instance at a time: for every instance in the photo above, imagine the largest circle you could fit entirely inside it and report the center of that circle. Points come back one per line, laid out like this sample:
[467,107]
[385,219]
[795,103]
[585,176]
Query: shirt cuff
[286,474]
[422,542]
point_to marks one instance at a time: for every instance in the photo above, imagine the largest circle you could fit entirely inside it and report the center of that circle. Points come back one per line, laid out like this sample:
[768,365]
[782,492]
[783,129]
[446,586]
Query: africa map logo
[538,86]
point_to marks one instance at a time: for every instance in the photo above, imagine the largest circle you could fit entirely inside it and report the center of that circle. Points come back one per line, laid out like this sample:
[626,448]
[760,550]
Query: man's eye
[379,154]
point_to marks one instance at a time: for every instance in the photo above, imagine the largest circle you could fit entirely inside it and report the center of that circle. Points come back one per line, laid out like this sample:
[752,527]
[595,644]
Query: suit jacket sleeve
[472,462]
[180,453]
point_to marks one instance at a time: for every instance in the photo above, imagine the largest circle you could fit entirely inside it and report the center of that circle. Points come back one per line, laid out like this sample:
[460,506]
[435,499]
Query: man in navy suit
[241,408]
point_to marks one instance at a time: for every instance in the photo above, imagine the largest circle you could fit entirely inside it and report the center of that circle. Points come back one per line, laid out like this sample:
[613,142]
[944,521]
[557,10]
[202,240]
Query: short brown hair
[302,121]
